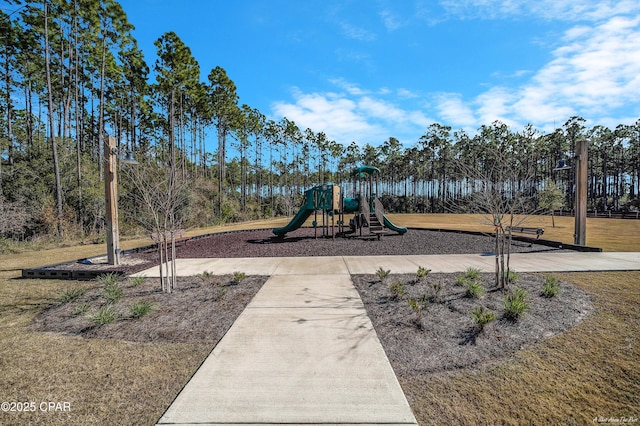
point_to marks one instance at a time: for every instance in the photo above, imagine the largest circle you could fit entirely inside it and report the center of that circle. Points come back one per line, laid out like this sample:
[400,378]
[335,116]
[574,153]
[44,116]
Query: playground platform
[304,350]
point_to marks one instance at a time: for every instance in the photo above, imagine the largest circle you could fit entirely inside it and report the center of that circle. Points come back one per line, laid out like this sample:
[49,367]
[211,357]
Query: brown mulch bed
[197,311]
[447,338]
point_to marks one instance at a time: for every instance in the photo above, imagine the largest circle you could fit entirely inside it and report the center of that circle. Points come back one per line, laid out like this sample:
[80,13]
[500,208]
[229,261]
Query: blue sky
[365,70]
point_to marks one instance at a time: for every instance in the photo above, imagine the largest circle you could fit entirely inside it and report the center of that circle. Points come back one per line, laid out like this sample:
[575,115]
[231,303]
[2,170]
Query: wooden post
[580,235]
[111,201]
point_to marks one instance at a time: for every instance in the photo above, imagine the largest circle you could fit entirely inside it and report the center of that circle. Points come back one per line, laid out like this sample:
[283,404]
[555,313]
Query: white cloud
[566,10]
[352,116]
[453,110]
[357,33]
[595,70]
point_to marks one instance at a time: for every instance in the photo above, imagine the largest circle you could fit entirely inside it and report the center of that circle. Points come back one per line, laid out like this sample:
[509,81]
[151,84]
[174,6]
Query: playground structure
[368,221]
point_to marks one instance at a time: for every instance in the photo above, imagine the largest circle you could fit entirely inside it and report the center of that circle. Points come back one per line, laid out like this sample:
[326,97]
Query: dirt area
[203,308]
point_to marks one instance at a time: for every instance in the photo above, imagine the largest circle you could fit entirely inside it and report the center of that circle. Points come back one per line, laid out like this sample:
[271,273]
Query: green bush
[472,273]
[482,317]
[70,295]
[461,281]
[112,292]
[513,277]
[382,274]
[109,278]
[206,277]
[436,289]
[81,309]
[474,289]
[418,305]
[105,315]
[138,281]
[551,286]
[397,290]
[422,272]
[140,309]
[515,304]
[238,277]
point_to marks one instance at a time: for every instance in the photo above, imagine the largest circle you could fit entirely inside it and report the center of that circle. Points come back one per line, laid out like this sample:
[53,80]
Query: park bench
[178,234]
[524,230]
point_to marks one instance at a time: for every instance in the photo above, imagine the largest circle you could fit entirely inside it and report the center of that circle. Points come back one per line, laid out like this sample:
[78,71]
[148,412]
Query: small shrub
[472,273]
[140,309]
[105,315]
[138,281]
[422,272]
[220,290]
[513,277]
[382,274]
[474,289]
[551,286]
[436,289]
[397,290]
[238,277]
[482,317]
[206,277]
[515,304]
[461,281]
[108,279]
[70,295]
[81,309]
[418,305]
[112,293]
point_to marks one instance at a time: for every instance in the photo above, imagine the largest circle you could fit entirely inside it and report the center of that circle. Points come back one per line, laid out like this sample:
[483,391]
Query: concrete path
[304,350]
[520,262]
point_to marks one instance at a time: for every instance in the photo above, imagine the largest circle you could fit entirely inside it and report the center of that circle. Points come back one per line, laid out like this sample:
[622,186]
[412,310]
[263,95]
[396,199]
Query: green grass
[515,304]
[474,289]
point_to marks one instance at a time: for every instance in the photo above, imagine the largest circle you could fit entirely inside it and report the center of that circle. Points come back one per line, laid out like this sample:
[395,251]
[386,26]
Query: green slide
[399,229]
[297,221]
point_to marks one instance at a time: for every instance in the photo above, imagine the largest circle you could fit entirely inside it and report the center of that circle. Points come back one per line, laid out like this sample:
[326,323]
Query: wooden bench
[524,230]
[178,235]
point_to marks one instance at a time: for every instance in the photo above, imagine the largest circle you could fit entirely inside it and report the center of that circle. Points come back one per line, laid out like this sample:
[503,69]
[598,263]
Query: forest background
[71,74]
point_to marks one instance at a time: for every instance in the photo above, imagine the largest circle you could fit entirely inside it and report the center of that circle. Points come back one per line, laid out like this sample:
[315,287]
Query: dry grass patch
[588,372]
[105,380]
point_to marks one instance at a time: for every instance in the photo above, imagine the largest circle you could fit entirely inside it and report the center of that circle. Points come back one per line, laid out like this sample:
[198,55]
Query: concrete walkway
[304,350]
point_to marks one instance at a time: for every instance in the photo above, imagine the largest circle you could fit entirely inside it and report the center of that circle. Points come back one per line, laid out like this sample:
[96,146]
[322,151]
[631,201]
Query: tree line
[72,73]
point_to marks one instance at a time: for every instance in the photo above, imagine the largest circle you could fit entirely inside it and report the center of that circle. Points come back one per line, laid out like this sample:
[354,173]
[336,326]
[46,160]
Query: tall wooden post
[111,201]
[580,235]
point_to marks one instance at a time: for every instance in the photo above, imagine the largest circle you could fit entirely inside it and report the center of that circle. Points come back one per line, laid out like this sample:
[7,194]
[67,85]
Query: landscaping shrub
[482,317]
[238,277]
[112,292]
[551,286]
[472,273]
[81,309]
[422,272]
[515,304]
[105,315]
[397,290]
[140,309]
[419,305]
[138,281]
[70,295]
[474,289]
[382,274]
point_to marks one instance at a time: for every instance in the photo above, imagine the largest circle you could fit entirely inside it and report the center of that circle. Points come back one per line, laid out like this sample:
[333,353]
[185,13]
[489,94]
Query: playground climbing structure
[368,218]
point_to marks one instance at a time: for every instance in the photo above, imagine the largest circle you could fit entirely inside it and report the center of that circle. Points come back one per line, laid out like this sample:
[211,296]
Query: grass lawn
[588,372]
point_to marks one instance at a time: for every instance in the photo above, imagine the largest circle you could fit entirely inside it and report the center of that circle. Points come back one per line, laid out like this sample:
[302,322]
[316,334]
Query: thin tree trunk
[54,149]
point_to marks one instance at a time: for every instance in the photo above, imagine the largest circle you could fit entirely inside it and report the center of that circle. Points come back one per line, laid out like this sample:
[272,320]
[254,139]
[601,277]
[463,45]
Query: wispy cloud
[594,70]
[352,115]
[357,33]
